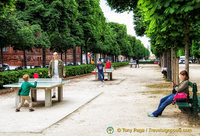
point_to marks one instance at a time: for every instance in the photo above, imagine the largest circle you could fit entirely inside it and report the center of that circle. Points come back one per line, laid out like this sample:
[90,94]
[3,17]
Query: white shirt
[55,74]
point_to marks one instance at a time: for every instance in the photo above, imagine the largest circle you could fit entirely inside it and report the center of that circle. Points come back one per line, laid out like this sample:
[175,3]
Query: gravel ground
[124,105]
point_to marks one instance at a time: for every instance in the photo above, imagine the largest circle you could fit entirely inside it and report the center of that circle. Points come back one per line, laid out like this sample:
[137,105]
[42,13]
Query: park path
[124,103]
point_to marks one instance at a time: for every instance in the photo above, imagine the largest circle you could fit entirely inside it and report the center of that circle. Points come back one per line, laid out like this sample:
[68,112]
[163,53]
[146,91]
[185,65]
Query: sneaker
[53,96]
[151,115]
[17,110]
[31,110]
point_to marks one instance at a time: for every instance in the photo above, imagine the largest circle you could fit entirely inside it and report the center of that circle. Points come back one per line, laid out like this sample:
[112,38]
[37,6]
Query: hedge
[119,64]
[8,77]
[146,62]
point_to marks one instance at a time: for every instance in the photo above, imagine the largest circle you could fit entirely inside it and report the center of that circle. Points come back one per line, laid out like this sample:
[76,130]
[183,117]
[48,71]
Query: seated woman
[165,101]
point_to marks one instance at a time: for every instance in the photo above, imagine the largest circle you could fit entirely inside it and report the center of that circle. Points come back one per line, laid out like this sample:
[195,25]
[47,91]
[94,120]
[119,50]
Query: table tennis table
[132,63]
[108,71]
[42,83]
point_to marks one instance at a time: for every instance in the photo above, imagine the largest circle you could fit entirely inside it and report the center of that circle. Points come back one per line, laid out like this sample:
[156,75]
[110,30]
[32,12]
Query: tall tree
[7,32]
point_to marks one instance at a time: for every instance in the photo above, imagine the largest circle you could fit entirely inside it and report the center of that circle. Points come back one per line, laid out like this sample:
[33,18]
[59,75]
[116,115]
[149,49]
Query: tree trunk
[2,56]
[95,59]
[86,51]
[175,66]
[81,54]
[161,62]
[187,48]
[172,64]
[74,55]
[165,59]
[25,65]
[65,57]
[61,57]
[198,61]
[168,65]
[177,71]
[43,57]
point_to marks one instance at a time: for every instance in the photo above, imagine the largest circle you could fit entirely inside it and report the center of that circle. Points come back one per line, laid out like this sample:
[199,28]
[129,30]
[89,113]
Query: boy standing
[24,93]
[100,68]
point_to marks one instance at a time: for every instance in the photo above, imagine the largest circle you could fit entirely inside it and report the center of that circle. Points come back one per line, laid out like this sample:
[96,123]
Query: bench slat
[183,104]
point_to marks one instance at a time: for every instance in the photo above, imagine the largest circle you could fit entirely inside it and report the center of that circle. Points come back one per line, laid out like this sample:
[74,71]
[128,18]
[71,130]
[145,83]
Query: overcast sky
[122,18]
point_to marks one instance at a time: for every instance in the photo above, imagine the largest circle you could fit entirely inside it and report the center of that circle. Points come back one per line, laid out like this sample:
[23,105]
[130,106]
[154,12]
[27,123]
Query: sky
[122,18]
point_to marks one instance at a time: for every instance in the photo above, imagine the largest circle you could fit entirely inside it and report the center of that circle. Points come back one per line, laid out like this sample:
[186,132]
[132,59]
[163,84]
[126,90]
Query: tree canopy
[60,25]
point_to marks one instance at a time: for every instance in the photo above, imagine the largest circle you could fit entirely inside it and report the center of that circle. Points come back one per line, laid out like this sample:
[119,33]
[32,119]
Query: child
[24,93]
[100,68]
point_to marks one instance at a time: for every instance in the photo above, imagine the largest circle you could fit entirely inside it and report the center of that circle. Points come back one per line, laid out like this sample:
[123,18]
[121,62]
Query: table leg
[108,75]
[96,76]
[34,94]
[111,76]
[60,93]
[17,97]
[48,100]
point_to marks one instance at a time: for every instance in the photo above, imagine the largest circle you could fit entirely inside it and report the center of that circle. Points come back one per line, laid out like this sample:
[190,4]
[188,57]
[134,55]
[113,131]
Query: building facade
[16,58]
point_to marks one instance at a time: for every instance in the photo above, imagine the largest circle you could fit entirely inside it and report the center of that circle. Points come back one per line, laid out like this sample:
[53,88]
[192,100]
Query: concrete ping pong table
[108,71]
[132,63]
[42,83]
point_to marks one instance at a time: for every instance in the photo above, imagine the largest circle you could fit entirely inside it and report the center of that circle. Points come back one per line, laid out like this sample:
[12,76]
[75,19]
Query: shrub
[8,77]
[146,62]
[119,64]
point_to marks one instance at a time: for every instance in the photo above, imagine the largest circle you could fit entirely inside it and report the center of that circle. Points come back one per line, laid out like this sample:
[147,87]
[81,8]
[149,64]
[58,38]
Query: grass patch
[162,85]
[160,92]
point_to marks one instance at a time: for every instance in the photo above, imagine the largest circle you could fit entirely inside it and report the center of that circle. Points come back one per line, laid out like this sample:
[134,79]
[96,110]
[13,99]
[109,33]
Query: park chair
[193,102]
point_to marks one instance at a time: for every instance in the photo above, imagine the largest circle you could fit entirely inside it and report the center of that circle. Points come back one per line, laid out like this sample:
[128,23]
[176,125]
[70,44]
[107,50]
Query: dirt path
[125,103]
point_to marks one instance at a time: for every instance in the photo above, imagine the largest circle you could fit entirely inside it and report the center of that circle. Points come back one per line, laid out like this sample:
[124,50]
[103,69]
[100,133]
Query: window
[5,49]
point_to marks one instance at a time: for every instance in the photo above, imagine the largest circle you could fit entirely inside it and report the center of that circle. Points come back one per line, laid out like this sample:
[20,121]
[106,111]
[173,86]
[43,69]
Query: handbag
[180,97]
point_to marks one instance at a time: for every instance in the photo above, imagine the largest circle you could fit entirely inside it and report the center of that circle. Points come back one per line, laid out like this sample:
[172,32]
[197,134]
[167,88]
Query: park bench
[106,71]
[42,83]
[193,102]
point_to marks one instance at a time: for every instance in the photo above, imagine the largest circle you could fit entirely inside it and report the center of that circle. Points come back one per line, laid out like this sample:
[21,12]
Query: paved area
[124,104]
[43,117]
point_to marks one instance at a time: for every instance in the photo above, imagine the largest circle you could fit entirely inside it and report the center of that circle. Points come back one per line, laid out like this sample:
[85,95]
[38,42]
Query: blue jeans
[101,76]
[164,102]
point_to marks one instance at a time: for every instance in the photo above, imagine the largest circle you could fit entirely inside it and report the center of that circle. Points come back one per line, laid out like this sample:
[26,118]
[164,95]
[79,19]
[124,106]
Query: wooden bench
[193,103]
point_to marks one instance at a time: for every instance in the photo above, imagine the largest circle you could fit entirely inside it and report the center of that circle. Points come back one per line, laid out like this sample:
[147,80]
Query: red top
[108,65]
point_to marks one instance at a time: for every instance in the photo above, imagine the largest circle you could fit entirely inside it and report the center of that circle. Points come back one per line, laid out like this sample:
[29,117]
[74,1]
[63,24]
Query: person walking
[137,63]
